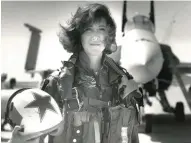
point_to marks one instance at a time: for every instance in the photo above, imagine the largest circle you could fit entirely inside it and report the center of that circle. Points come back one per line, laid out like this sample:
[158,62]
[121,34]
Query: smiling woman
[82,23]
[93,38]
[88,88]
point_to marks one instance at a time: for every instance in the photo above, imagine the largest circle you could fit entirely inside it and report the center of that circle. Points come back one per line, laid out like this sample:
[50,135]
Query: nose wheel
[148,123]
[179,112]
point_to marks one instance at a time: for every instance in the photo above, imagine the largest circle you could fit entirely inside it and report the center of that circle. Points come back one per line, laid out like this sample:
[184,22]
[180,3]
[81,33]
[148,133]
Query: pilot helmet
[37,112]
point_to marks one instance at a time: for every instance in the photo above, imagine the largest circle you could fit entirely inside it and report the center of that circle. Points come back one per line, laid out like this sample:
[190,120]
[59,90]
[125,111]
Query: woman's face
[93,38]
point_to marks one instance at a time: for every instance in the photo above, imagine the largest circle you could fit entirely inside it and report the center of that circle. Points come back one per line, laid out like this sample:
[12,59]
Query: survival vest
[119,123]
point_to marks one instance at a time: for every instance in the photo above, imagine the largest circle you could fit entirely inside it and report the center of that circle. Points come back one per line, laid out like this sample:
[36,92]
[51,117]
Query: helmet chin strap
[9,107]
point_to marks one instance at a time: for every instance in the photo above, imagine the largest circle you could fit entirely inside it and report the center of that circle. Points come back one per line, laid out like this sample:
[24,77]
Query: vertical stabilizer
[33,48]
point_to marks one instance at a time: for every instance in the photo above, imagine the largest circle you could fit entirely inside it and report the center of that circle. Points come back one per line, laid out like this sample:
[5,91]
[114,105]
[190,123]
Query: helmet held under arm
[37,112]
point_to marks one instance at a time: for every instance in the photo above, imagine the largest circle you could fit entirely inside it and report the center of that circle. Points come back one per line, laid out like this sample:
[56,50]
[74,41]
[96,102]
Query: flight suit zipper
[98,85]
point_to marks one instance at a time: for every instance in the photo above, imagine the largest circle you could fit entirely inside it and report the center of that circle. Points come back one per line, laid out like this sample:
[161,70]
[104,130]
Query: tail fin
[33,48]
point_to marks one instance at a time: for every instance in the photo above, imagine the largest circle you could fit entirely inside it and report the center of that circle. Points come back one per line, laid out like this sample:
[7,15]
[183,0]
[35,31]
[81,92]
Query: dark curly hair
[70,36]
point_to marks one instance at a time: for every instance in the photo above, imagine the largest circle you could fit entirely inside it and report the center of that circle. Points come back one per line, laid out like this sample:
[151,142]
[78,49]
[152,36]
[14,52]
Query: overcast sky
[46,15]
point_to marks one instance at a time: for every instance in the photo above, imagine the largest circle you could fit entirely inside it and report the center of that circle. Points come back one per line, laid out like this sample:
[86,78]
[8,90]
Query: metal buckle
[109,103]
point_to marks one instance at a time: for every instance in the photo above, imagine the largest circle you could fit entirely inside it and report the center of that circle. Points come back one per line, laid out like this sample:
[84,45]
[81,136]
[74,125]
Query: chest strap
[87,103]
[96,102]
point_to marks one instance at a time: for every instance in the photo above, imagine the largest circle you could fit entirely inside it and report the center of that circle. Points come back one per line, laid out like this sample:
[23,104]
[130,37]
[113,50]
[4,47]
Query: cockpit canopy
[140,22]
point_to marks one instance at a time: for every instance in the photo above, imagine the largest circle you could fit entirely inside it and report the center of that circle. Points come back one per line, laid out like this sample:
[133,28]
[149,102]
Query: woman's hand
[126,86]
[18,138]
[129,92]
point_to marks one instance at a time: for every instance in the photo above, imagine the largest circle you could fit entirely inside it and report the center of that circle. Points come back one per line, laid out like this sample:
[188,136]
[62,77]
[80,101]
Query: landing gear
[164,102]
[147,118]
[179,112]
[148,123]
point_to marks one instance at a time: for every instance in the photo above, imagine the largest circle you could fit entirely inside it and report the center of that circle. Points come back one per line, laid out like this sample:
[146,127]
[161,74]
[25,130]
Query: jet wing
[184,68]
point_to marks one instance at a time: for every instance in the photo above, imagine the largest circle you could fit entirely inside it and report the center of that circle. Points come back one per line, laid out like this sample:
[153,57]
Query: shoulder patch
[113,65]
[117,68]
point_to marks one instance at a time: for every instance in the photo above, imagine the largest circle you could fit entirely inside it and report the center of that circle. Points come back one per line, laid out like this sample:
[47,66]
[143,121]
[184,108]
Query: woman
[95,94]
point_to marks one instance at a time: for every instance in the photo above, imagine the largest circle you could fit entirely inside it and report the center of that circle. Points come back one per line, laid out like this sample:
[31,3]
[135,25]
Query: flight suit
[91,103]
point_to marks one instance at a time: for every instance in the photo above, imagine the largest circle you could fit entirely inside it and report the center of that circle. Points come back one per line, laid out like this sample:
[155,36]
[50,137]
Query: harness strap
[96,102]
[112,64]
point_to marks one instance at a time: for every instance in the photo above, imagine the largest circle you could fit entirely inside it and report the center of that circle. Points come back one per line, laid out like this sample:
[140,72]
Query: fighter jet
[151,63]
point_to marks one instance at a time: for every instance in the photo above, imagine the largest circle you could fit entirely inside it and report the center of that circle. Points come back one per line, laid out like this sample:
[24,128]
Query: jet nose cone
[142,57]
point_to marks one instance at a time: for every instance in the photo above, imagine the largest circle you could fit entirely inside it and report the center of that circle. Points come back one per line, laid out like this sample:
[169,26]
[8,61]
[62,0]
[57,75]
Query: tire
[148,123]
[179,112]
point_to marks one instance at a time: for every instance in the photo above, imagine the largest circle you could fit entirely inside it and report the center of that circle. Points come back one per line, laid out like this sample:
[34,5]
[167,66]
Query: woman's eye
[87,29]
[102,29]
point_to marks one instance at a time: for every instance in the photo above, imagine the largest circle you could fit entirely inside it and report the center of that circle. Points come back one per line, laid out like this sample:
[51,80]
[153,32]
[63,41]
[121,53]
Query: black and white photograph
[96,71]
